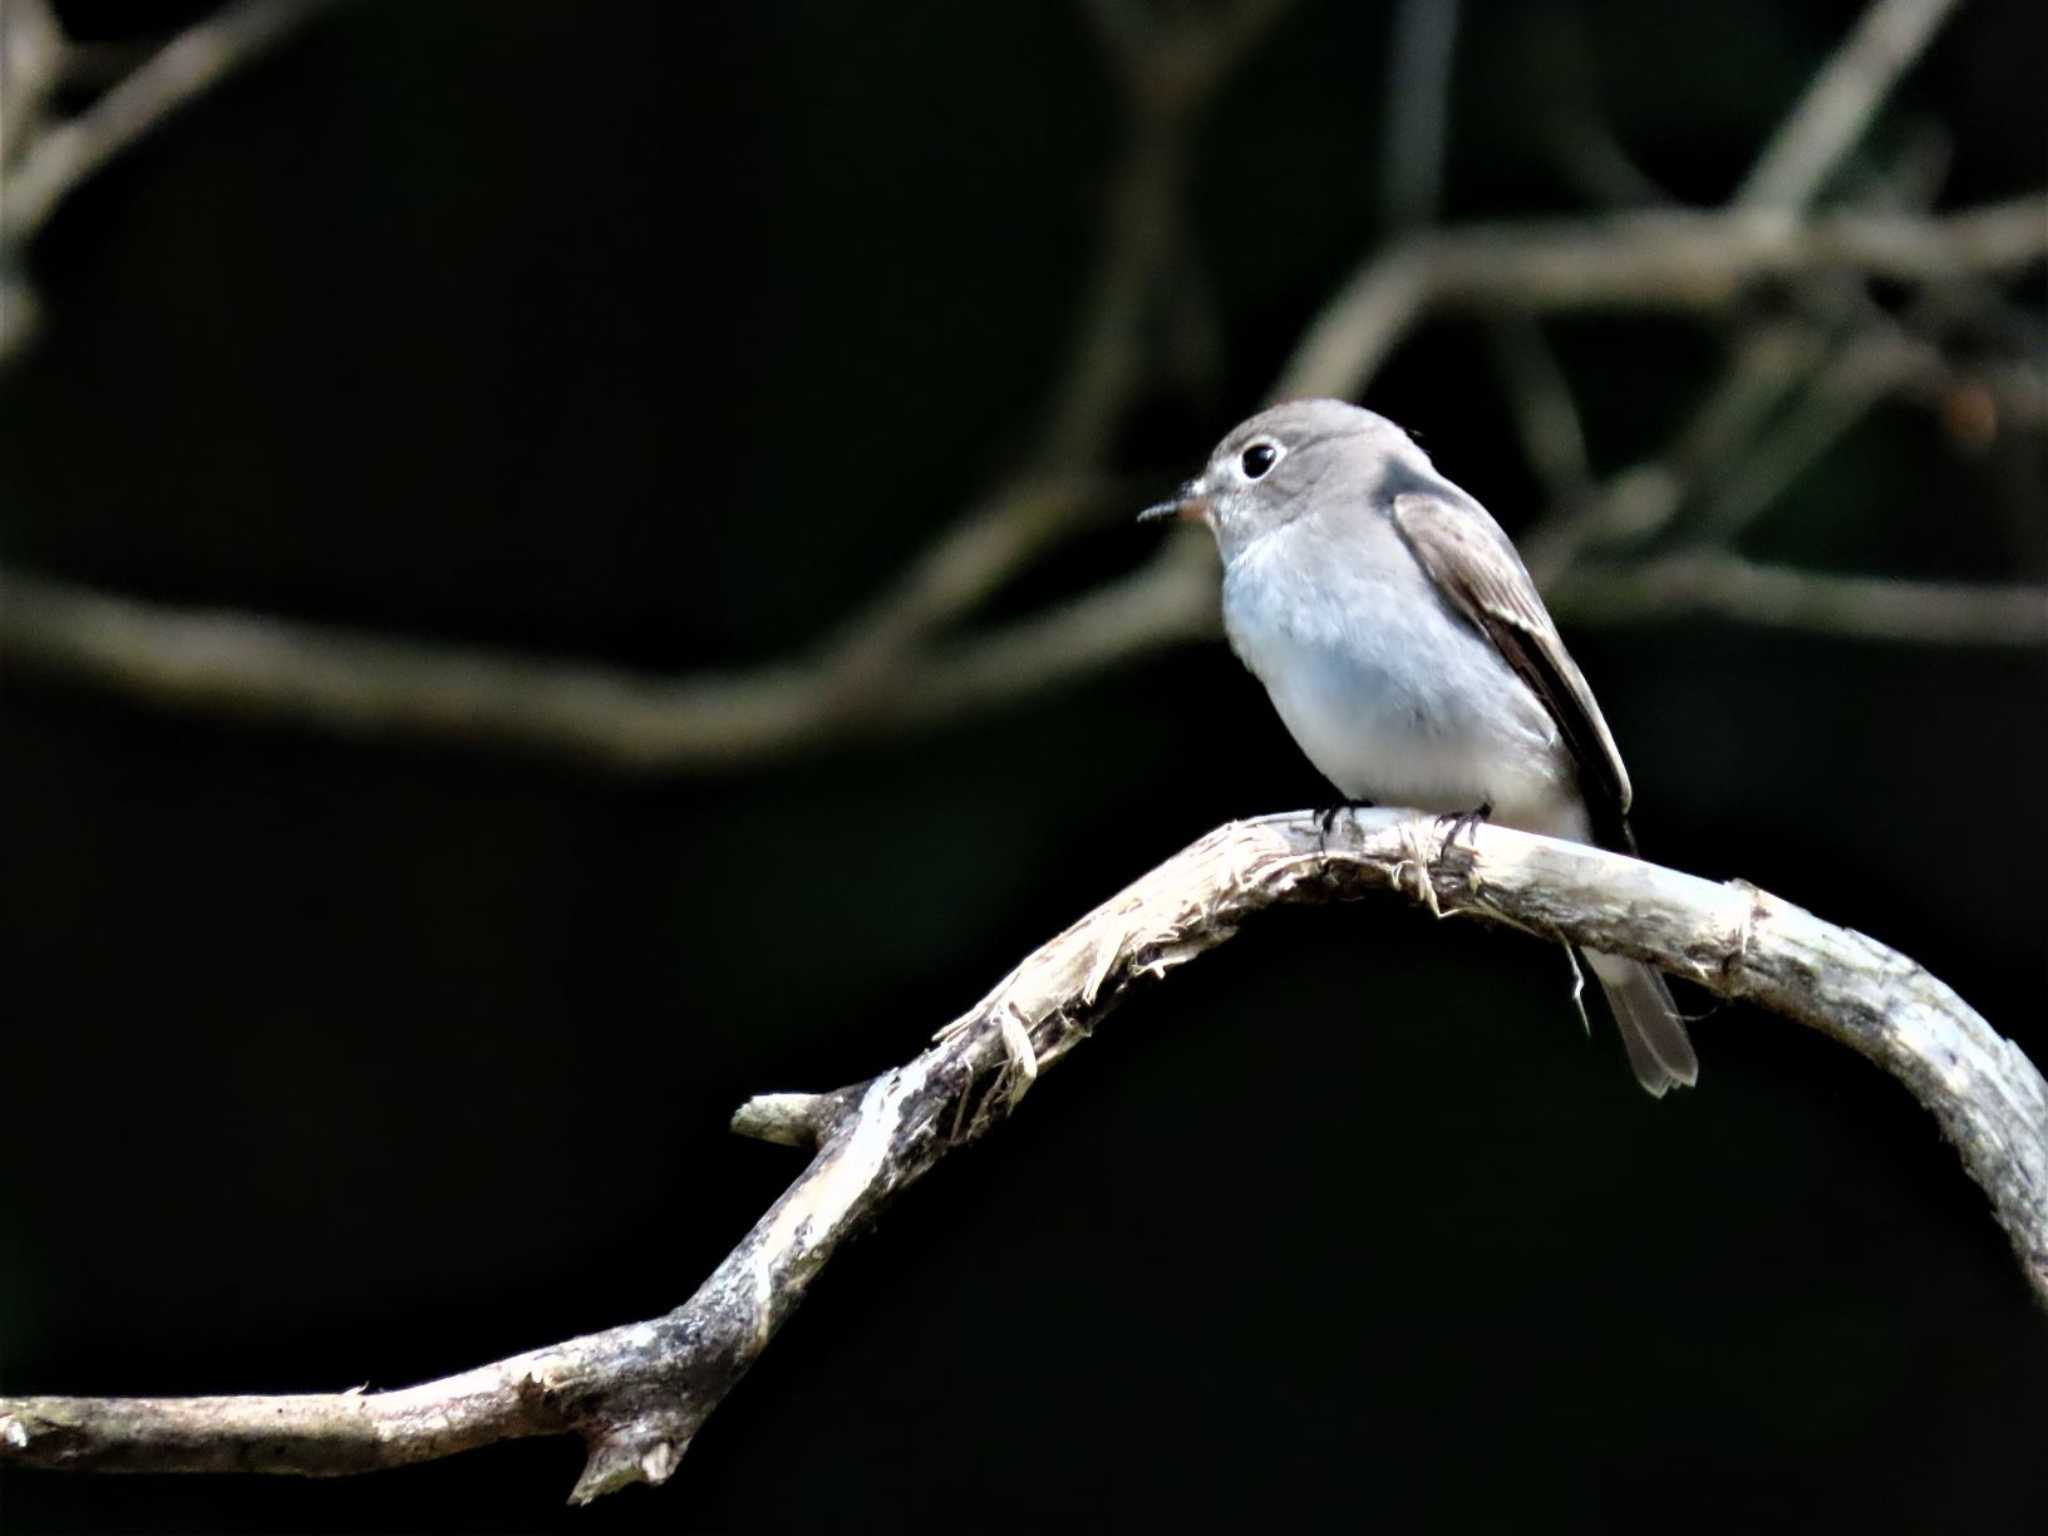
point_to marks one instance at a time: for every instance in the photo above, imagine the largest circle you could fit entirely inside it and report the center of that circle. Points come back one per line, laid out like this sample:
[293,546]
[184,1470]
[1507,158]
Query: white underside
[1394,698]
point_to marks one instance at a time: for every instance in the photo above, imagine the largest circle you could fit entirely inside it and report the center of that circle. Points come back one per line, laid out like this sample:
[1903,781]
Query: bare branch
[1546,416]
[43,161]
[241,664]
[1658,260]
[33,55]
[963,568]
[1840,102]
[639,1394]
[1852,607]
[1418,110]
[188,66]
[1177,55]
[794,1119]
[1840,394]
[1885,358]
[1777,362]
[1588,152]
[882,672]
[1171,70]
[1770,363]
[1793,390]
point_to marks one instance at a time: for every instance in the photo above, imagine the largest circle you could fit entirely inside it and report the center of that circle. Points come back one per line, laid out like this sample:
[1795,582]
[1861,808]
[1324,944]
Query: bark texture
[638,1394]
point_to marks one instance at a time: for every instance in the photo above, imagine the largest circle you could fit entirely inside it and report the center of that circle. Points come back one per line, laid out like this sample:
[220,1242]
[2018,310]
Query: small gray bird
[1407,651]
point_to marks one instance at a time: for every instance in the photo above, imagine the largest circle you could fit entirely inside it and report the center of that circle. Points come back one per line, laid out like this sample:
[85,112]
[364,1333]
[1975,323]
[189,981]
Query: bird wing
[1480,575]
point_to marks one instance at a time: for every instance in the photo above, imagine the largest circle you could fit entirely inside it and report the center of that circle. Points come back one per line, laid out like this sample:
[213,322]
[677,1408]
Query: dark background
[663,339]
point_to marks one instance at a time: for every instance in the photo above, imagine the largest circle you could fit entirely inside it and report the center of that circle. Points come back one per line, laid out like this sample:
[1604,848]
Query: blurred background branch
[1727,586]
[45,156]
[1418,111]
[1171,65]
[1841,102]
[1677,261]
[246,664]
[885,668]
[892,665]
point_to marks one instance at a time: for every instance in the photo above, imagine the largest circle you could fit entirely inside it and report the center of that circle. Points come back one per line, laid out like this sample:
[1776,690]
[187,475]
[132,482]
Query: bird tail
[1658,1047]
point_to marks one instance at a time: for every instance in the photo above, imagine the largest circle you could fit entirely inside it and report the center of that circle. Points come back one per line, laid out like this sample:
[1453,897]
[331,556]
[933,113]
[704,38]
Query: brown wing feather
[1479,573]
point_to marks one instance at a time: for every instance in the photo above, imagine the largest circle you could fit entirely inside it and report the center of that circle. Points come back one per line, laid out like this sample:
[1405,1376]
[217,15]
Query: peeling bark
[638,1394]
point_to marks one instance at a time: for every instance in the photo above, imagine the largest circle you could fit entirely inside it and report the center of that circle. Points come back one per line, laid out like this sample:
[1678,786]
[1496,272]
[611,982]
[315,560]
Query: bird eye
[1257,459]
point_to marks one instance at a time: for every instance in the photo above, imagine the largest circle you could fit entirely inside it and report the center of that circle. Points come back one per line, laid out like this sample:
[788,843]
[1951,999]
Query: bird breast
[1393,696]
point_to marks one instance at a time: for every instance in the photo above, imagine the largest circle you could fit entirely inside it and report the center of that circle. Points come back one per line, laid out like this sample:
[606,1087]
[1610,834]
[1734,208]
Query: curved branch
[638,1394]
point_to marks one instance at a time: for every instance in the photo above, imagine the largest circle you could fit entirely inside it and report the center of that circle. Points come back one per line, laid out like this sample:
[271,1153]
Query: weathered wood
[638,1394]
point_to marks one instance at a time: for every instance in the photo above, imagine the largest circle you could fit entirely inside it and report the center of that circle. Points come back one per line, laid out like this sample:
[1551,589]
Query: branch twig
[1546,415]
[1638,503]
[45,161]
[1773,597]
[1170,70]
[33,54]
[1840,102]
[1775,362]
[638,1394]
[1418,111]
[192,63]
[1662,259]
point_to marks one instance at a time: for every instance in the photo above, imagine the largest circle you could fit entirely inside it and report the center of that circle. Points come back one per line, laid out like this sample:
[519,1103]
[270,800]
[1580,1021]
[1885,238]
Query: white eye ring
[1257,459]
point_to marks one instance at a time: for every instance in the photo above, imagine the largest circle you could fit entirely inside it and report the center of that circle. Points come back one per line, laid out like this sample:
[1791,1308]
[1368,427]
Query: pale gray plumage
[1408,652]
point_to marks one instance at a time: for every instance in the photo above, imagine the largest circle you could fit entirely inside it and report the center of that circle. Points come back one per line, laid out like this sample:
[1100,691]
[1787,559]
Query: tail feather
[1651,1029]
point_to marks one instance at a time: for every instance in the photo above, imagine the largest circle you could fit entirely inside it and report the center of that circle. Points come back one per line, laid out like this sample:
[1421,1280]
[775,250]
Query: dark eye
[1259,458]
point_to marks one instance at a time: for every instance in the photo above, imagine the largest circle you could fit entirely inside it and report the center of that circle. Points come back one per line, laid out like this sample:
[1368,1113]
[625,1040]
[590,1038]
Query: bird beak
[1190,504]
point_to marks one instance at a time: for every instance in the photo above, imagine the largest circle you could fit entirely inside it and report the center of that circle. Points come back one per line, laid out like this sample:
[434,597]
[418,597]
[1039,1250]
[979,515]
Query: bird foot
[1328,819]
[1463,824]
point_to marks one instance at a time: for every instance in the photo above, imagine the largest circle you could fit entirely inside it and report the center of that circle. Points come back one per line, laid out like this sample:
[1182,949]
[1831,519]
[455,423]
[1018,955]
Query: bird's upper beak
[1190,504]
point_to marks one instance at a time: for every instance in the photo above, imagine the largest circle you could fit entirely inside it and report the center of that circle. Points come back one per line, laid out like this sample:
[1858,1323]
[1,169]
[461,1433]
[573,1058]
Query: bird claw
[1328,819]
[1463,824]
